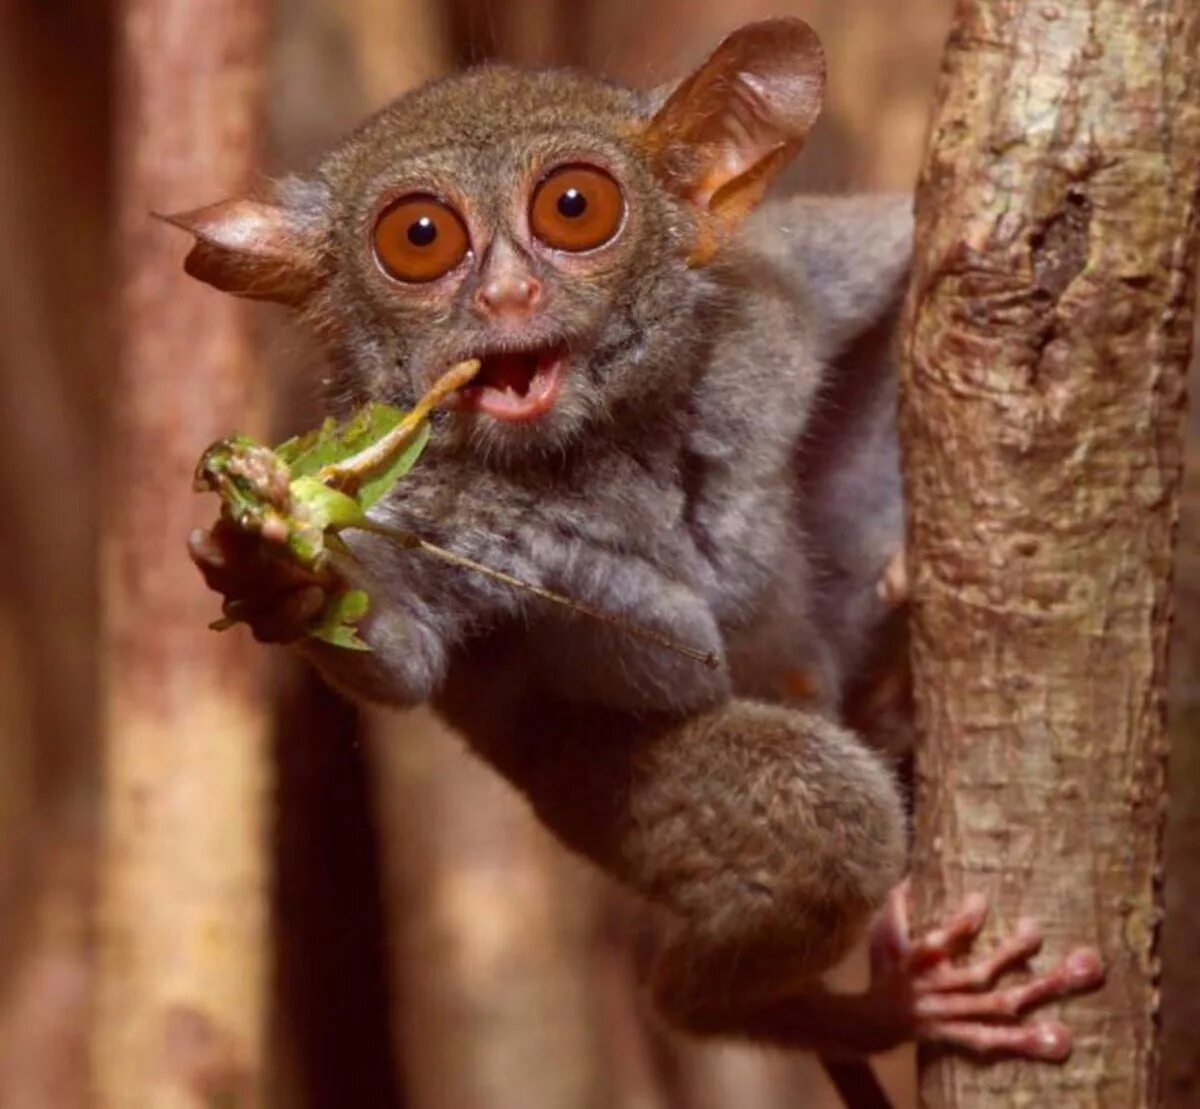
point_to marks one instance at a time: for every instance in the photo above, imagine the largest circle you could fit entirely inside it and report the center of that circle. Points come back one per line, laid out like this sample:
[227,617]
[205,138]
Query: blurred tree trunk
[180,1010]
[330,1032]
[491,932]
[1048,331]
[55,279]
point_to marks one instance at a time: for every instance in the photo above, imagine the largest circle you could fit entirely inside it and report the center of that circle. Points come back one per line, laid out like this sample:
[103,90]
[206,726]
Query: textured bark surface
[1048,333]
[182,915]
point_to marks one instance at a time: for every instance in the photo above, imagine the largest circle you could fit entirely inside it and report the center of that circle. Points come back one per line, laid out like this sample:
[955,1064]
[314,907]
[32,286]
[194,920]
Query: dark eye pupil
[572,204]
[423,232]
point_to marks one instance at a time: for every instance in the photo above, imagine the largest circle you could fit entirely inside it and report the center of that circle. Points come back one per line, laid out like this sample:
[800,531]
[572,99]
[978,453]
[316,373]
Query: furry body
[709,514]
[719,463]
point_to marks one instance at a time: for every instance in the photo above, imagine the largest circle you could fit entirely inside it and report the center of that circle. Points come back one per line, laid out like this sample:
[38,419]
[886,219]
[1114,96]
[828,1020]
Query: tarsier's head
[561,229]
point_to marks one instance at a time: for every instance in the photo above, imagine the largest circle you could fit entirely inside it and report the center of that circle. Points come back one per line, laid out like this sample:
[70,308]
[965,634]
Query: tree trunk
[1048,330]
[55,284]
[179,1020]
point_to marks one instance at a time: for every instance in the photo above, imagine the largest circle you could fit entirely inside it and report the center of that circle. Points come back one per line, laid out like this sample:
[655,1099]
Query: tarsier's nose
[507,288]
[515,294]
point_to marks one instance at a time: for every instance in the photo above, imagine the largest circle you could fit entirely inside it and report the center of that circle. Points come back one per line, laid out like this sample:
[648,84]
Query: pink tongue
[508,371]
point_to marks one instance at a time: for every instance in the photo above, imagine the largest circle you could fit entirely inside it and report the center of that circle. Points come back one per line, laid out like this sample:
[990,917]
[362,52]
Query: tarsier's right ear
[727,130]
[250,249]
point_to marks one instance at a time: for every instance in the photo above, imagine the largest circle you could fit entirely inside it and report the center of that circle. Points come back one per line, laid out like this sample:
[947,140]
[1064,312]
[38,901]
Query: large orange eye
[577,208]
[419,238]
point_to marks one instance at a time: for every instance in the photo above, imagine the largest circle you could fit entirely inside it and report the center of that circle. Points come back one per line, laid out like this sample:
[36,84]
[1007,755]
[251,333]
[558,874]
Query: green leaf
[317,511]
[382,484]
[307,455]
[326,508]
[344,637]
[341,613]
[279,494]
[352,606]
[298,445]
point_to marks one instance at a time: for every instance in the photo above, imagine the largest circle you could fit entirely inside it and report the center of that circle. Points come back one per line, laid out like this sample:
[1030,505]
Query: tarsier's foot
[262,586]
[961,1006]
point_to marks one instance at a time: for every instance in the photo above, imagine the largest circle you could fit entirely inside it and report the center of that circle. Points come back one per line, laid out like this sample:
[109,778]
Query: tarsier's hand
[263,586]
[934,1000]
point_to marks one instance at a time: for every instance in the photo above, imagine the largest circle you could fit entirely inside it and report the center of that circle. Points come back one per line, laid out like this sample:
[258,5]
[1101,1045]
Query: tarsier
[684,418]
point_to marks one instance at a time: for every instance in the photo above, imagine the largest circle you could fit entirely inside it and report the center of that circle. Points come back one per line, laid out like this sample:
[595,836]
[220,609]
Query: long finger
[1048,1041]
[953,936]
[1024,942]
[1081,970]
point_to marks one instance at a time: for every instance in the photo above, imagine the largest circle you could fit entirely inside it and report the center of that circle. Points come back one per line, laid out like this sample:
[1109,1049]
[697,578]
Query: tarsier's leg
[916,993]
[771,837]
[774,836]
[763,828]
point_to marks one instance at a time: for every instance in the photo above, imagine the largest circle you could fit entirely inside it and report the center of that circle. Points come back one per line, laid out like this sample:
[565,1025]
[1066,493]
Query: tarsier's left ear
[250,249]
[729,128]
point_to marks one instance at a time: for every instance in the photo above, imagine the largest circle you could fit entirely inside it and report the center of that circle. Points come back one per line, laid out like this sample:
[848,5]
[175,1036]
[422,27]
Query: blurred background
[429,946]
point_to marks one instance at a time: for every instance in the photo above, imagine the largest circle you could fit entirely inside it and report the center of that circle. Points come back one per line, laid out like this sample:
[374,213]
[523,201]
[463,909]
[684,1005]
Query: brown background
[431,946]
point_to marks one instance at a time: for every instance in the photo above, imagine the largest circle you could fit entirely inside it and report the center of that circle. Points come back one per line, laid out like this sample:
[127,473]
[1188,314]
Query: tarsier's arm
[424,612]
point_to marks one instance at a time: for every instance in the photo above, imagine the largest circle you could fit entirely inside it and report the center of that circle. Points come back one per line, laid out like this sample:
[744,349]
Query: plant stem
[347,474]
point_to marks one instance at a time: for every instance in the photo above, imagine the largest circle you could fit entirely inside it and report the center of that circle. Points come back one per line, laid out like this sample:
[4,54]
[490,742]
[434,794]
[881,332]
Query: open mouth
[516,386]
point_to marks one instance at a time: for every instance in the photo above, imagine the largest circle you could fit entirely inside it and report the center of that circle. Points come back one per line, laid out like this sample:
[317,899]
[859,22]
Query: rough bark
[1048,331]
[180,1008]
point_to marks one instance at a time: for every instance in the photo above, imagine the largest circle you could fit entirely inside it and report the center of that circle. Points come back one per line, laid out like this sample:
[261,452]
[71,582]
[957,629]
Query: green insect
[306,491]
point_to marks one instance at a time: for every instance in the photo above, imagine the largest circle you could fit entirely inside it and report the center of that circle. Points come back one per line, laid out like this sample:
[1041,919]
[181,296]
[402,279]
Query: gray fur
[705,473]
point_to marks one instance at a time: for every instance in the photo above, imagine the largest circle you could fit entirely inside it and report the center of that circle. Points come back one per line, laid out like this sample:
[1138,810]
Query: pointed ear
[729,128]
[250,249]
